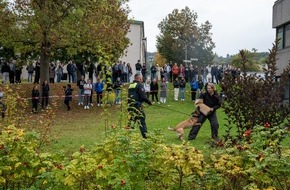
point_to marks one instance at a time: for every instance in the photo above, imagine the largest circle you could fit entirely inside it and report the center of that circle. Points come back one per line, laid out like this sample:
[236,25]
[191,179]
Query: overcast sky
[237,24]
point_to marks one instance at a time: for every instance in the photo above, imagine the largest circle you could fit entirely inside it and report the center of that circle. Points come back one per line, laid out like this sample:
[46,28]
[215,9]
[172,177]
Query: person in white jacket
[147,87]
[87,93]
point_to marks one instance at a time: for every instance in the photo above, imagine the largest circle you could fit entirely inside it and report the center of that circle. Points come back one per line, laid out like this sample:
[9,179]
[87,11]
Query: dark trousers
[213,124]
[11,77]
[137,115]
[37,77]
[154,94]
[44,101]
[34,105]
[70,77]
[99,97]
[66,102]
[193,94]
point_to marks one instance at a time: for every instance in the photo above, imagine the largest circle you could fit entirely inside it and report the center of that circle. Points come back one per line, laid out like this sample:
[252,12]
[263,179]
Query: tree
[84,28]
[251,64]
[182,38]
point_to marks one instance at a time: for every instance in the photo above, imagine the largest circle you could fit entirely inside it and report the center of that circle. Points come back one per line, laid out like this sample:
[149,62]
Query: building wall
[281,16]
[137,47]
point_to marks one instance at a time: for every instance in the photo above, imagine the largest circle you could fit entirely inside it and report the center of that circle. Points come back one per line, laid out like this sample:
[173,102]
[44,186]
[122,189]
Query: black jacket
[212,101]
[136,93]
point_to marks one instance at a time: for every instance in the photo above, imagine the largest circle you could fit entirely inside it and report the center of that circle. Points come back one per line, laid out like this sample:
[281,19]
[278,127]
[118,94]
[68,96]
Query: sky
[237,24]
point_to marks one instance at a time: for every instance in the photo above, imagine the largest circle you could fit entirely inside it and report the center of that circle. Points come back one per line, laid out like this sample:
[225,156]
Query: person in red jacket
[175,71]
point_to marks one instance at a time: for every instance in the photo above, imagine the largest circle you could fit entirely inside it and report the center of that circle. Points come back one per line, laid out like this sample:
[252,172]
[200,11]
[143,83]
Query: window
[287,35]
[280,37]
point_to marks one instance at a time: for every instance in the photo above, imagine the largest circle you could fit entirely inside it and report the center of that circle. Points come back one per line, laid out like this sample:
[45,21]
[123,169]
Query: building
[138,45]
[281,22]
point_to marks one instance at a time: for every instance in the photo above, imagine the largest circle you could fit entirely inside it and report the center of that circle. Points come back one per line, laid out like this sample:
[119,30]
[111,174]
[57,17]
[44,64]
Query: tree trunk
[44,58]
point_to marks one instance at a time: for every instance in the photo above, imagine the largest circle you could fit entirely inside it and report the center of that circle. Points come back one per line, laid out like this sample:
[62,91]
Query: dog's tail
[171,128]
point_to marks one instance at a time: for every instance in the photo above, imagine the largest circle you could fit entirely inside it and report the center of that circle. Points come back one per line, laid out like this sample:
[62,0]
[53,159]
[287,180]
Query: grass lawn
[79,127]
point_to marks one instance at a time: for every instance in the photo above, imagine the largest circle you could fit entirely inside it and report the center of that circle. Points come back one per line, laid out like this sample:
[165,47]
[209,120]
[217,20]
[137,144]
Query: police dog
[192,121]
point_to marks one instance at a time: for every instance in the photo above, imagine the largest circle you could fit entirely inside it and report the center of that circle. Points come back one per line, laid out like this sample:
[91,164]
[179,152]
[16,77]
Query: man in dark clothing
[37,72]
[136,96]
[138,66]
[212,100]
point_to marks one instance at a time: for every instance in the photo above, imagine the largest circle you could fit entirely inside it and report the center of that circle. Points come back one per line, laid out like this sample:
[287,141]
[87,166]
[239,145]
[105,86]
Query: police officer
[136,96]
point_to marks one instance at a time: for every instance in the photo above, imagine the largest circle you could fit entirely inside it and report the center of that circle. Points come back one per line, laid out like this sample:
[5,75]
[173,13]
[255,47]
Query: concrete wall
[137,47]
[281,16]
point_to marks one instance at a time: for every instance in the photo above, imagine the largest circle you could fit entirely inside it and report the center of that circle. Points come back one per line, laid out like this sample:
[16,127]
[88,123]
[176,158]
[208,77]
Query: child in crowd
[182,85]
[80,84]
[45,94]
[200,86]
[163,91]
[99,88]
[147,87]
[194,88]
[87,93]
[35,98]
[154,90]
[68,96]
[117,88]
[176,86]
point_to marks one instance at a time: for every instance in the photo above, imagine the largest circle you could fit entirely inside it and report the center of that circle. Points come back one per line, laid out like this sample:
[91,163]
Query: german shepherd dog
[192,121]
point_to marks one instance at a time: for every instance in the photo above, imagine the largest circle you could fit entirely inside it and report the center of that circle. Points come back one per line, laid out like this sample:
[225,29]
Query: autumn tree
[85,28]
[182,38]
[159,60]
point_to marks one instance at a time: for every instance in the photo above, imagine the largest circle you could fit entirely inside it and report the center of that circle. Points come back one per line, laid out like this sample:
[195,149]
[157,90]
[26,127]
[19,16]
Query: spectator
[167,70]
[117,88]
[18,72]
[175,71]
[91,71]
[37,72]
[30,70]
[59,72]
[69,69]
[144,71]
[138,66]
[87,93]
[68,96]
[12,72]
[130,73]
[153,71]
[44,94]
[147,87]
[214,73]
[193,89]
[154,90]
[181,71]
[81,84]
[124,73]
[51,73]
[163,91]
[176,86]
[5,70]
[99,88]
[35,98]
[182,85]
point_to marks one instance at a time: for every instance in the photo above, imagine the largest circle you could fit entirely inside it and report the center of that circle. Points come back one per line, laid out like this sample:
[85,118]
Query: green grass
[79,127]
